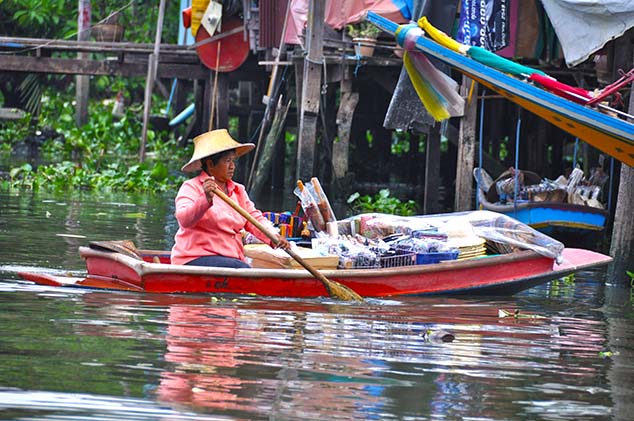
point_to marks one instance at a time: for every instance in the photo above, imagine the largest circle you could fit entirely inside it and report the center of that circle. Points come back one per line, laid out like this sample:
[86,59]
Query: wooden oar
[334,288]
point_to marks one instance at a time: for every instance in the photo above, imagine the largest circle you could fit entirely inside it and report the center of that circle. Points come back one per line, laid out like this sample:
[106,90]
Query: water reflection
[46,229]
[254,357]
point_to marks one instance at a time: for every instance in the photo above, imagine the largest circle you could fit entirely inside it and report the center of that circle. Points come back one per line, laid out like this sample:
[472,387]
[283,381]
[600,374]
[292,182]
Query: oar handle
[274,238]
[335,289]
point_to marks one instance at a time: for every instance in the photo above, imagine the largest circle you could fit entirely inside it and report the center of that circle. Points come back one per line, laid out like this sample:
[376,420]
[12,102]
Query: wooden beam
[311,90]
[20,44]
[51,65]
[466,149]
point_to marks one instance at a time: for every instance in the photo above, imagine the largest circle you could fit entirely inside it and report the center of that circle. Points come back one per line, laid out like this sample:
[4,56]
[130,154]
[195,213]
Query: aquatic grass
[382,202]
[102,154]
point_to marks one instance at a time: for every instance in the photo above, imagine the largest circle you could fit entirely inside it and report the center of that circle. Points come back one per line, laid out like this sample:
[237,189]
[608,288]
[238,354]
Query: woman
[209,232]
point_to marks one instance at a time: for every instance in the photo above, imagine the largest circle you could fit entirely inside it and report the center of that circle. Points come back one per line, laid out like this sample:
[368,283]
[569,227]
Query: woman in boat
[210,231]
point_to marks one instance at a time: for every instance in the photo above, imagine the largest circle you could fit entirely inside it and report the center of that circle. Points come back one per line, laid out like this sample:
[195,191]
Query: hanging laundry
[484,23]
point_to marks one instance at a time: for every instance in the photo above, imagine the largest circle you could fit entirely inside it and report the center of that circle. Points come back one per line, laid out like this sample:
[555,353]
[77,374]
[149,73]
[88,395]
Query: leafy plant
[103,154]
[382,202]
[363,30]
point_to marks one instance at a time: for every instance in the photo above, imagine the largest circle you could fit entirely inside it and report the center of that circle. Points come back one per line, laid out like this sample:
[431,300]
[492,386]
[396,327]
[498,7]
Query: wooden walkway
[52,56]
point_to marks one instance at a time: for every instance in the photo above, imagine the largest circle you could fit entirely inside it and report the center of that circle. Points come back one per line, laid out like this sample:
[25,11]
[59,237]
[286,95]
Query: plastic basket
[429,258]
[399,259]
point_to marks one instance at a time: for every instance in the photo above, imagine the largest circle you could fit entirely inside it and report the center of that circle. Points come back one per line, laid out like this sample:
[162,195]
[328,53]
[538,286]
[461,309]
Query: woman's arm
[191,205]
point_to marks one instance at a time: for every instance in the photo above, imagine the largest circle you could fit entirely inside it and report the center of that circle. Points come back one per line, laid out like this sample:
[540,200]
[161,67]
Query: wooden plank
[466,149]
[52,65]
[311,90]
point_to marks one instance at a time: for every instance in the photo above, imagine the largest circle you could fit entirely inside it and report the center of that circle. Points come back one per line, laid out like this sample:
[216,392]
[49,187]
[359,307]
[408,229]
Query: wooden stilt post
[432,170]
[622,244]
[311,89]
[223,101]
[151,77]
[466,149]
[347,104]
[82,85]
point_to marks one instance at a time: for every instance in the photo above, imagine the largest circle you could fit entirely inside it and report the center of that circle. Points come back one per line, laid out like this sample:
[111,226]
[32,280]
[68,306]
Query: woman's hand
[282,243]
[210,186]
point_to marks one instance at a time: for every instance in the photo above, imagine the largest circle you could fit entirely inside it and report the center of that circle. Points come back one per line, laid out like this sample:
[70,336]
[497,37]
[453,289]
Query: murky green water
[93,355]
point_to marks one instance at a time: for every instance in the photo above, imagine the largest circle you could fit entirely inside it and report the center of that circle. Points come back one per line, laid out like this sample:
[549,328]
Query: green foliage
[563,286]
[103,154]
[37,18]
[363,29]
[382,202]
[400,143]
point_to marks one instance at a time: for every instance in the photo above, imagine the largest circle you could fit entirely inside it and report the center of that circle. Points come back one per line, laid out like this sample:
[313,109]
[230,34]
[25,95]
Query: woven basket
[107,32]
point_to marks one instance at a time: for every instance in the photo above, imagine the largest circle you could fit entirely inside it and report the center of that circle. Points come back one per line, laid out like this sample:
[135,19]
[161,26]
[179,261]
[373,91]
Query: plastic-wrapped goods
[309,204]
[322,201]
[375,225]
[575,178]
[352,255]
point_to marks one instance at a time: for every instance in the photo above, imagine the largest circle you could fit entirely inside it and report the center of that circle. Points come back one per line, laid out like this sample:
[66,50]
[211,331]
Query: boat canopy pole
[517,160]
[480,135]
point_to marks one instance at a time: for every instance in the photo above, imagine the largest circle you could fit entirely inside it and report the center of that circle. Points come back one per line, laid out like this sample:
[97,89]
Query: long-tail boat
[607,129]
[521,258]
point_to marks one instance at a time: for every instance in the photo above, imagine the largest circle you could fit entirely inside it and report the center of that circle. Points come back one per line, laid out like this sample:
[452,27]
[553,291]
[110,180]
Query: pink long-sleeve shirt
[212,229]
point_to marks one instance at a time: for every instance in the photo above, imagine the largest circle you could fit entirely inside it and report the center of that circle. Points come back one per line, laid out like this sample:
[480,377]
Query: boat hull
[500,274]
[550,216]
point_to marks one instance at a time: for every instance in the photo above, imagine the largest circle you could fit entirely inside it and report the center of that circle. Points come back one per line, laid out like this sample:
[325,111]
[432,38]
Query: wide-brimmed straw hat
[211,143]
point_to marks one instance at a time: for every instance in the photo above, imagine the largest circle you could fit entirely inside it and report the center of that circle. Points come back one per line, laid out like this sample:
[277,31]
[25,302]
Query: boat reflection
[287,357]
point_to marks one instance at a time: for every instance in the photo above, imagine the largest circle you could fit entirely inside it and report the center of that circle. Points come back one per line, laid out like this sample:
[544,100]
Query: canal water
[69,354]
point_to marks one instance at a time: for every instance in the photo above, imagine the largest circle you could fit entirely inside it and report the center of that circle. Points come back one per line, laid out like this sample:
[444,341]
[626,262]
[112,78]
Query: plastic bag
[309,204]
[322,201]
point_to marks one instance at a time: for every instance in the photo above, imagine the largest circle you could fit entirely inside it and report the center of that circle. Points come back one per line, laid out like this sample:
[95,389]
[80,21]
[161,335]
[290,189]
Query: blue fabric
[218,261]
[405,7]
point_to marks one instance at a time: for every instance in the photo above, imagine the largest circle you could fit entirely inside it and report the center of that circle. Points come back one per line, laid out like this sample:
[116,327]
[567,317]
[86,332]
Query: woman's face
[225,167]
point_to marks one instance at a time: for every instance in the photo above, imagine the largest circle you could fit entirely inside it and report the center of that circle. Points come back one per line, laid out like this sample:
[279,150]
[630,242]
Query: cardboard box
[263,256]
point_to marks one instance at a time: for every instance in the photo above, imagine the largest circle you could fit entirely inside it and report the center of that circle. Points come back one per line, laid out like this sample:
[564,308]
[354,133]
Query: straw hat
[126,247]
[211,143]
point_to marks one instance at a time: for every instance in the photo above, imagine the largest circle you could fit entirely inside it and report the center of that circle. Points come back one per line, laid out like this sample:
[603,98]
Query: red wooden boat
[502,274]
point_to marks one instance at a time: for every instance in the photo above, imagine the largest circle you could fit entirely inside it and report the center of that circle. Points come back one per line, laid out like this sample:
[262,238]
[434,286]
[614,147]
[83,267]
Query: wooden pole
[466,148]
[311,90]
[347,104]
[622,244]
[82,83]
[151,77]
[432,170]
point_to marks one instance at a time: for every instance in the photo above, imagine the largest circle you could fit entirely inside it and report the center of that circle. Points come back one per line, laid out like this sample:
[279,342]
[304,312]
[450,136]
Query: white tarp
[585,26]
